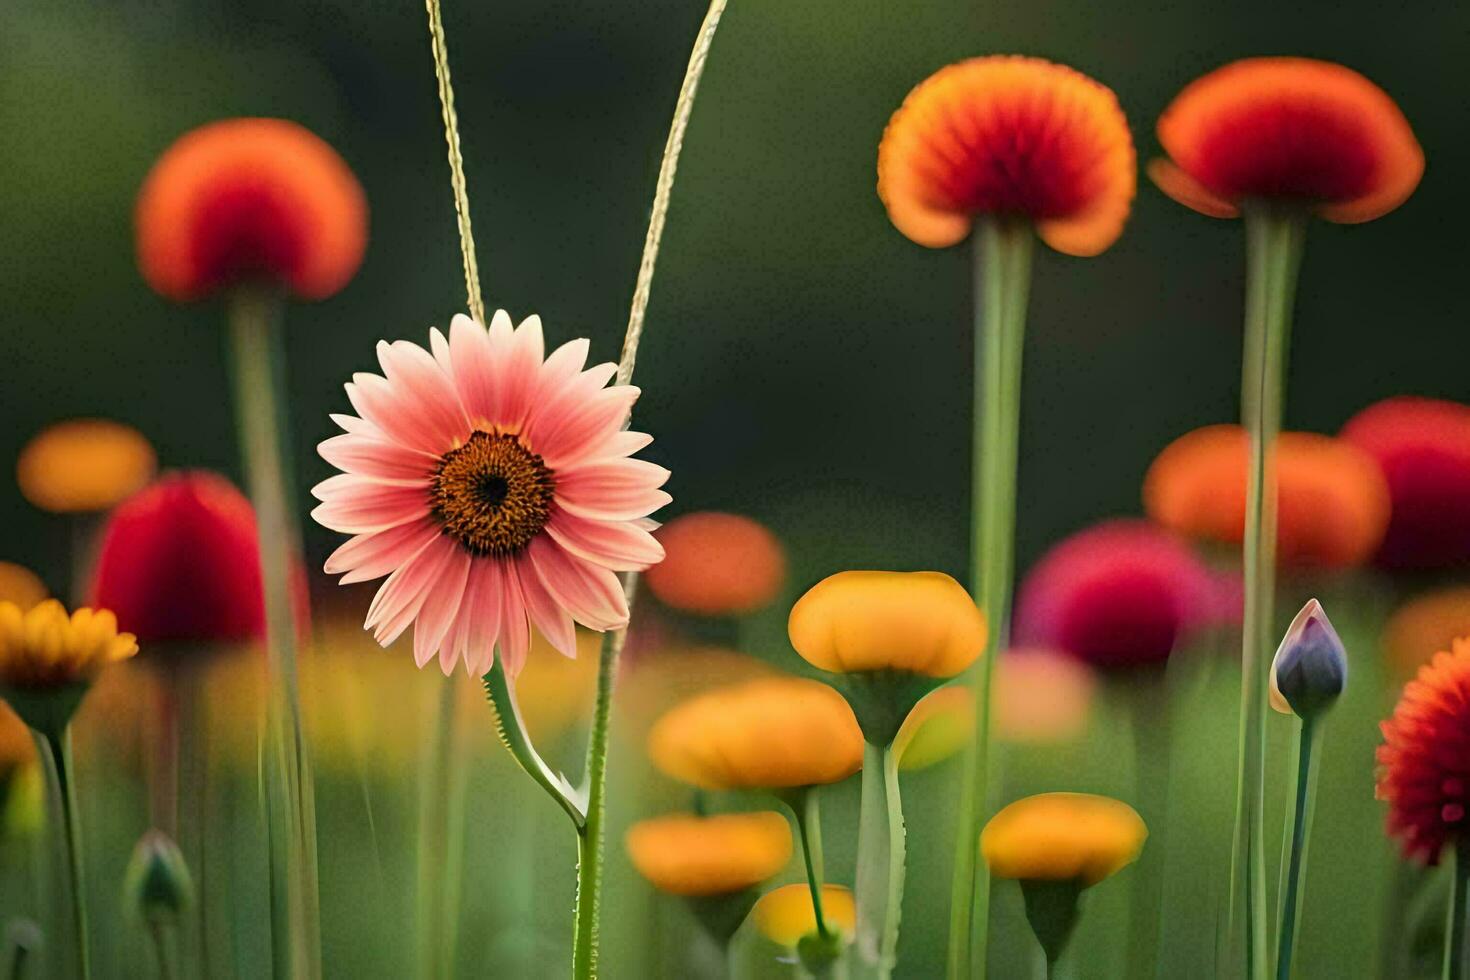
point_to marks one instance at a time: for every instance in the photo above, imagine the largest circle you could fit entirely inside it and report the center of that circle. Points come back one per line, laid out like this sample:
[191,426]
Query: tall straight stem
[880,870]
[1002,283]
[55,751]
[1273,255]
[1458,922]
[258,361]
[441,839]
[1296,862]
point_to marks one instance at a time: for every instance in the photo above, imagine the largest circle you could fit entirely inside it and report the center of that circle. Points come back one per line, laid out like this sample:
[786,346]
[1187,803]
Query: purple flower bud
[1310,669]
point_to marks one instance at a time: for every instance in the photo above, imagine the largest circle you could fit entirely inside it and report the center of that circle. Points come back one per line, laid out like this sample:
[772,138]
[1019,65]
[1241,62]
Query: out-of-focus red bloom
[180,562]
[717,565]
[250,199]
[1120,594]
[1424,772]
[1009,137]
[1423,447]
[1332,501]
[1287,130]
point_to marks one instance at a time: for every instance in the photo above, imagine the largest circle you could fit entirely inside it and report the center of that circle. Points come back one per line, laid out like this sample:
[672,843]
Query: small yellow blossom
[43,647]
[683,854]
[915,622]
[84,465]
[1062,837]
[785,915]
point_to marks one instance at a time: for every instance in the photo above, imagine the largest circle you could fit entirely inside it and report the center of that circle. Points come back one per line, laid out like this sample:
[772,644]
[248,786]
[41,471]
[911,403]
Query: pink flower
[492,484]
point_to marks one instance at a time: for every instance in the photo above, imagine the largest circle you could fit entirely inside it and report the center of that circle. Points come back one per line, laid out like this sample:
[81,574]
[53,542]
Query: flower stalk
[54,748]
[880,869]
[1458,923]
[1298,830]
[1002,276]
[1273,254]
[442,788]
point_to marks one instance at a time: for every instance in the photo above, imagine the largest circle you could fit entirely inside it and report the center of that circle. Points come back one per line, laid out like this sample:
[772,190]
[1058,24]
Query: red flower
[1009,136]
[1290,130]
[1424,772]
[244,199]
[1120,594]
[717,565]
[1423,446]
[180,562]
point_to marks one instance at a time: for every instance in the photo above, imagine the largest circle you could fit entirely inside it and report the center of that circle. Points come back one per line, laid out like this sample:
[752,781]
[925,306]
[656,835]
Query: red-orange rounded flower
[1424,772]
[1332,501]
[1009,136]
[717,564]
[243,200]
[1291,130]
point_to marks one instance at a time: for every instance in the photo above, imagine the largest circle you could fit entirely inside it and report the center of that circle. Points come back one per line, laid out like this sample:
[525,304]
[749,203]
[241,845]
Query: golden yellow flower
[776,733]
[937,728]
[1062,837]
[20,585]
[684,854]
[915,622]
[1424,626]
[84,465]
[43,647]
[785,915]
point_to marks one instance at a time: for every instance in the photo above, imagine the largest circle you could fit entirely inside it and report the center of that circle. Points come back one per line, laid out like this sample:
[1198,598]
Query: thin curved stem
[512,731]
[1002,278]
[456,161]
[1290,900]
[805,810]
[896,854]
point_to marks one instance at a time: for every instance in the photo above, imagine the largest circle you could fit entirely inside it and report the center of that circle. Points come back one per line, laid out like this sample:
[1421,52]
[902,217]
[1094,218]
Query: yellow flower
[683,854]
[776,733]
[20,585]
[785,915]
[84,465]
[1062,837]
[43,647]
[915,622]
[937,728]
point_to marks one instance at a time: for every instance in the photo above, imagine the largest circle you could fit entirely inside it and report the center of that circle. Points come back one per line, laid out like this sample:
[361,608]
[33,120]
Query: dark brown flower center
[492,494]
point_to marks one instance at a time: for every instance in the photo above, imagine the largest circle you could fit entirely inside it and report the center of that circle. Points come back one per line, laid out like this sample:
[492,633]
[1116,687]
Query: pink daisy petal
[474,369]
[620,547]
[515,623]
[564,432]
[592,594]
[479,626]
[522,369]
[368,456]
[549,618]
[626,443]
[564,364]
[369,556]
[425,393]
[613,489]
[360,506]
[403,594]
[441,606]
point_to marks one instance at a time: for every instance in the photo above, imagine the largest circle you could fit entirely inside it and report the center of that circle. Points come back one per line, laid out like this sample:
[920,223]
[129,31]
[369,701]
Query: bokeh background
[803,363]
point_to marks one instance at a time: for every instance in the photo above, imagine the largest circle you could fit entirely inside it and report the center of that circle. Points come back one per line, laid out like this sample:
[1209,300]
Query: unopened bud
[1310,669]
[158,886]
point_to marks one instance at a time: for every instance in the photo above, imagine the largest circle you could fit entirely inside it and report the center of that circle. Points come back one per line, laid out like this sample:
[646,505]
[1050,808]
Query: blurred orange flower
[1333,503]
[84,465]
[683,854]
[717,565]
[1009,136]
[1425,625]
[20,585]
[660,678]
[1042,696]
[250,199]
[1063,837]
[774,733]
[1423,773]
[1287,129]
[785,915]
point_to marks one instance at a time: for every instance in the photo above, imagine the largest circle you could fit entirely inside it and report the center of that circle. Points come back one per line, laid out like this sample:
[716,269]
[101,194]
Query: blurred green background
[803,363]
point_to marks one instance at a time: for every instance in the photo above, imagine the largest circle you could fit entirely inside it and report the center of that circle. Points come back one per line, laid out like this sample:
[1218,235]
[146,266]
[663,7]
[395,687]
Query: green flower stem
[258,361]
[1146,693]
[880,870]
[158,935]
[500,691]
[806,812]
[1273,254]
[1298,827]
[54,748]
[1002,275]
[441,839]
[1458,922]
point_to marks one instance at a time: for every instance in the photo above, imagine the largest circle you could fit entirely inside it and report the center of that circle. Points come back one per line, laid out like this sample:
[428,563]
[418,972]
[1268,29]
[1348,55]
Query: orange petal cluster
[1333,503]
[1009,137]
[717,564]
[684,854]
[1292,130]
[242,200]
[1424,760]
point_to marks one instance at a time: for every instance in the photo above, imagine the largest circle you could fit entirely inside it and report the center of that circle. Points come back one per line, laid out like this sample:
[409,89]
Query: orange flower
[1333,504]
[785,915]
[1287,129]
[20,585]
[84,465]
[1063,837]
[684,854]
[1011,137]
[249,199]
[1424,760]
[717,565]
[1423,626]
[776,733]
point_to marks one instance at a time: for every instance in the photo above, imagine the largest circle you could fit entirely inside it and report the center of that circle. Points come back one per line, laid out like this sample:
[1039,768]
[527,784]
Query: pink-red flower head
[493,485]
[1287,130]
[244,200]
[1423,447]
[717,565]
[1120,594]
[1009,137]
[1424,763]
[179,561]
